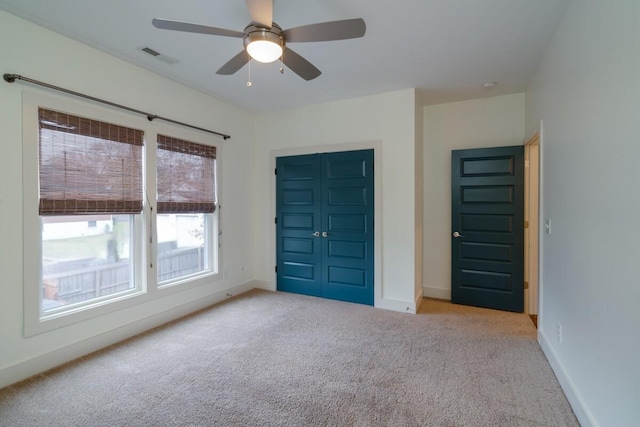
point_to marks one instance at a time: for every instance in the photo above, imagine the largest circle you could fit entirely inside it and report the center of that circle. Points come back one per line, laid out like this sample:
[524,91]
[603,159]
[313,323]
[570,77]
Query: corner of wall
[437,293]
[573,396]
[51,359]
[419,297]
[264,284]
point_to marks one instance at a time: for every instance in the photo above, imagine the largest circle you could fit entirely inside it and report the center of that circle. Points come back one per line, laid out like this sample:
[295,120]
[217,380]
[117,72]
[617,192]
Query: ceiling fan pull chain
[249,84]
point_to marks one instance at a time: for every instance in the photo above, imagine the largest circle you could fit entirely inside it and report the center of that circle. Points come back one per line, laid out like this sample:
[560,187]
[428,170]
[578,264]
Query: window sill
[60,319]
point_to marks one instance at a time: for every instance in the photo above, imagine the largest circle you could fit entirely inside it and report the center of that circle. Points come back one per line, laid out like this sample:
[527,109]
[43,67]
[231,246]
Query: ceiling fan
[265,41]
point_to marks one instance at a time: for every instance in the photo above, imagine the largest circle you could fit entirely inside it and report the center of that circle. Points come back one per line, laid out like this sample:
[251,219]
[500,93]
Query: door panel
[488,194]
[331,194]
[488,213]
[486,252]
[297,203]
[348,220]
[347,249]
[485,280]
[354,223]
[487,223]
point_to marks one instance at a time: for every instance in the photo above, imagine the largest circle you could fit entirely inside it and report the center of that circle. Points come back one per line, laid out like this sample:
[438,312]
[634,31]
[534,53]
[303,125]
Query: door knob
[456,234]
[325,234]
[316,234]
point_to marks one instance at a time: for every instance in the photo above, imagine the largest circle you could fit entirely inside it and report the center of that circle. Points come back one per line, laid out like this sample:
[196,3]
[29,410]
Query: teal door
[487,235]
[324,225]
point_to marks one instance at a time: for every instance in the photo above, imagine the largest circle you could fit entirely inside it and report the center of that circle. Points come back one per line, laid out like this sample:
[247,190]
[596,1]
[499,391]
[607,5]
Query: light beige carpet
[277,359]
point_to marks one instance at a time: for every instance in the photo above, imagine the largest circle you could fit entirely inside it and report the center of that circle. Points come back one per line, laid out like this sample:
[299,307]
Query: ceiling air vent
[150,51]
[164,58]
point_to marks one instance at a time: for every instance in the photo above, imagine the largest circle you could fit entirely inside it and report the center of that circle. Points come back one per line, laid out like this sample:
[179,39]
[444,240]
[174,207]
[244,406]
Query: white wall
[587,92]
[487,122]
[385,122]
[42,55]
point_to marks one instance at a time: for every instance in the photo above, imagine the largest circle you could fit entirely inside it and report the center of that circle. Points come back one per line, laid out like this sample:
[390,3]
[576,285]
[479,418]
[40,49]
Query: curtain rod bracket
[10,78]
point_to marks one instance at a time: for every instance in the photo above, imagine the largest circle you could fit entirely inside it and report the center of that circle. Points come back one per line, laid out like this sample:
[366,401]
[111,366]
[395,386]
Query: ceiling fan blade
[299,65]
[234,64]
[327,31]
[261,11]
[194,28]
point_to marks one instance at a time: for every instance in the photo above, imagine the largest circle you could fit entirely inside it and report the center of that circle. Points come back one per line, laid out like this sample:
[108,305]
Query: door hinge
[275,220]
[275,171]
[276,268]
[526,224]
[526,285]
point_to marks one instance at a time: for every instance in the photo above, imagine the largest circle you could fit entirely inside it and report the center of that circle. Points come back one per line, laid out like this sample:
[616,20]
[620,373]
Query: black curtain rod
[10,78]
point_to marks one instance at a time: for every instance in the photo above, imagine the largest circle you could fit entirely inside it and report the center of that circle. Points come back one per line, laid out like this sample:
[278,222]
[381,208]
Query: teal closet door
[325,219]
[299,224]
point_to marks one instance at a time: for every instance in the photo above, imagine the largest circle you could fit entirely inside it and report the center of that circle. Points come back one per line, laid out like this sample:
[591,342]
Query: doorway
[532,223]
[325,225]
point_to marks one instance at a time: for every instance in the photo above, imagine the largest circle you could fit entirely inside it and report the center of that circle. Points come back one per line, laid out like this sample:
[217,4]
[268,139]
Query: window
[93,243]
[90,173]
[186,201]
[81,264]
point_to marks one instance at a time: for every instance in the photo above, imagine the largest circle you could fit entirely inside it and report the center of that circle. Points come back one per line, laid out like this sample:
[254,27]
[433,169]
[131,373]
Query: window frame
[144,234]
[210,251]
[134,261]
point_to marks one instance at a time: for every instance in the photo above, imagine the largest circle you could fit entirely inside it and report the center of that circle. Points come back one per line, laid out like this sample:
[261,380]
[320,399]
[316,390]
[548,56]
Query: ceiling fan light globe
[264,50]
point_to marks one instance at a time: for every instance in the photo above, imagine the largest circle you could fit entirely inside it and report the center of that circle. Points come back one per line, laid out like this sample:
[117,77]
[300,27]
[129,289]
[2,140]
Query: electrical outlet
[559,333]
[547,225]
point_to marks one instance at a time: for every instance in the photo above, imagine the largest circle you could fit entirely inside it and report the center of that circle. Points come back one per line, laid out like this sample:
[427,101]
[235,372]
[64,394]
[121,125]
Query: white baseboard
[585,418]
[264,284]
[438,293]
[386,304]
[396,305]
[36,365]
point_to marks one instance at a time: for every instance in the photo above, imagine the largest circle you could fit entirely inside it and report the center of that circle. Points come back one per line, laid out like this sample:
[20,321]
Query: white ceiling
[445,48]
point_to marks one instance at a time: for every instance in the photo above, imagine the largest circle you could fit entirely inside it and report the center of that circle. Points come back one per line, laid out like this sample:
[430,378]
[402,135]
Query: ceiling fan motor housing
[255,32]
